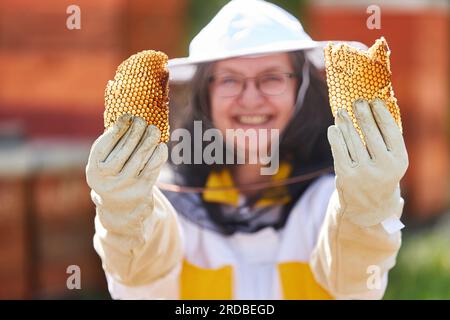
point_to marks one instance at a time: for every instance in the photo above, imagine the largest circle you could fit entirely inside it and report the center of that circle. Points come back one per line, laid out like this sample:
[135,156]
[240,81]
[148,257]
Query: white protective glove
[354,240]
[367,179]
[137,235]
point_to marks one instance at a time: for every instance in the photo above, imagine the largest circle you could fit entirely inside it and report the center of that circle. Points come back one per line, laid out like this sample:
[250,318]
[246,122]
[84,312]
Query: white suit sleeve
[352,261]
[166,287]
[150,252]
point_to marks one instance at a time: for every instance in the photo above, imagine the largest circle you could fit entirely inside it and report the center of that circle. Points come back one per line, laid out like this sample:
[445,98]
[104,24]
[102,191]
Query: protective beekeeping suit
[338,239]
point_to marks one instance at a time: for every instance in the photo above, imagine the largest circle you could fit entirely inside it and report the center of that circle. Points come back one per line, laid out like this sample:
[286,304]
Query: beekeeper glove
[355,237]
[367,177]
[137,235]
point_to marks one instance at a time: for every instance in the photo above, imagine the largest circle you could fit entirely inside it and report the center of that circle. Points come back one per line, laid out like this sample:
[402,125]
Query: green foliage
[423,265]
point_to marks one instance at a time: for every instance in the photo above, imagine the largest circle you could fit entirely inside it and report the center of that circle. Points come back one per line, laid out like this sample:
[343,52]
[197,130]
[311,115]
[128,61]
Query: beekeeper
[229,232]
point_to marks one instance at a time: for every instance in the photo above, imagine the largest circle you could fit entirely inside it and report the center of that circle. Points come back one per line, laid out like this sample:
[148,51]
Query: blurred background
[52,80]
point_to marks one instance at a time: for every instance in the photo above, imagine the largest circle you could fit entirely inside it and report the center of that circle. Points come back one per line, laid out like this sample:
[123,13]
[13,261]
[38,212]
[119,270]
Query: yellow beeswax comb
[141,88]
[353,74]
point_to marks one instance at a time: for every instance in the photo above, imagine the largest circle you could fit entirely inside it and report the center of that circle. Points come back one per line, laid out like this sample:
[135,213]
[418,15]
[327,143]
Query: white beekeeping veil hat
[246,27]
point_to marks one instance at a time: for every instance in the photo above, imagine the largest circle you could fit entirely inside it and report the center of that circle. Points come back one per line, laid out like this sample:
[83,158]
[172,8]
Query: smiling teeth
[252,119]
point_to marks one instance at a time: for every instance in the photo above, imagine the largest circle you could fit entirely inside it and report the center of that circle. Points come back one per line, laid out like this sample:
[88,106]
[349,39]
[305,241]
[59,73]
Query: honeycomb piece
[353,74]
[140,88]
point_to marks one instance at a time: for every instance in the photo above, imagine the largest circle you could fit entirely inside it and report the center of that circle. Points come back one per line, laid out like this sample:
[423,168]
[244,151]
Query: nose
[250,97]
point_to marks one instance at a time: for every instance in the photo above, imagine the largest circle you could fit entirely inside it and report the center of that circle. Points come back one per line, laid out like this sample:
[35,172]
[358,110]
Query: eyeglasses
[232,85]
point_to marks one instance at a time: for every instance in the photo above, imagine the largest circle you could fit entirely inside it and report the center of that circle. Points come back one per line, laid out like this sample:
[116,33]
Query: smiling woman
[254,69]
[300,116]
[267,102]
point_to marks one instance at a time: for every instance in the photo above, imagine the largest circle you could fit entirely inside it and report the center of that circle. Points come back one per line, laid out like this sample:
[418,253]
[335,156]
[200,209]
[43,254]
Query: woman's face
[270,106]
